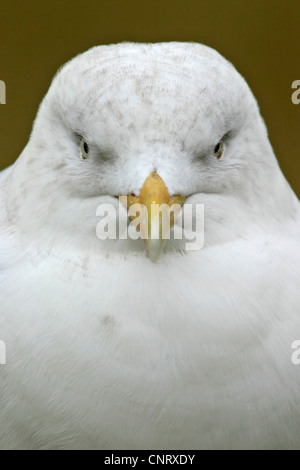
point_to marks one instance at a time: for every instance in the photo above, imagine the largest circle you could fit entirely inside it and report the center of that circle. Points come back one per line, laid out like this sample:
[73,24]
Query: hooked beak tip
[153,248]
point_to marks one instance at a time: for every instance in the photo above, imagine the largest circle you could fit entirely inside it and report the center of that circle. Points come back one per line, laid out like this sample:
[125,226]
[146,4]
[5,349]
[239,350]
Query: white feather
[107,350]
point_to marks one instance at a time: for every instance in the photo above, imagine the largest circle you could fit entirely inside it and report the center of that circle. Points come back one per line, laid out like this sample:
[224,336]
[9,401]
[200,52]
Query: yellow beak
[156,215]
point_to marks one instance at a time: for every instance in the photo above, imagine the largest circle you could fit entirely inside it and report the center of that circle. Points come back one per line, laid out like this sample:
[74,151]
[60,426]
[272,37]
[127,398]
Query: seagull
[139,342]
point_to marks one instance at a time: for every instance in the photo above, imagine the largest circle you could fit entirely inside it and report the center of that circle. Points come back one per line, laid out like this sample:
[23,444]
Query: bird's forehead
[149,89]
[143,73]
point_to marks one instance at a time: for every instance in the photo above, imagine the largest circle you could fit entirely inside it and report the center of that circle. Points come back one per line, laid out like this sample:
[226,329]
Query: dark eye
[84,149]
[219,149]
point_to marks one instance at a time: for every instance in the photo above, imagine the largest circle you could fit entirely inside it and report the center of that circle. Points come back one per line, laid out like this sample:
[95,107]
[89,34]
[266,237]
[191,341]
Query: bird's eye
[219,149]
[84,149]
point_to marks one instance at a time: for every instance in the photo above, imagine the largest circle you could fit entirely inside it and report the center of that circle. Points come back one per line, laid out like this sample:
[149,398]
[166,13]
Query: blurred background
[260,37]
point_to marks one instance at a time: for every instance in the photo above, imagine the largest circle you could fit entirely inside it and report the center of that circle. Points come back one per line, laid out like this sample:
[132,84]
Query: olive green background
[261,38]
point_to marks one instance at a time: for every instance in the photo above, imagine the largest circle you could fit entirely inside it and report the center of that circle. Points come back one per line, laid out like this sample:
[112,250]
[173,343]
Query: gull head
[155,123]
